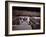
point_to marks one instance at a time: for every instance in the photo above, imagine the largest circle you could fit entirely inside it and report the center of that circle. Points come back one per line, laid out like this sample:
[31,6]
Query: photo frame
[24,18]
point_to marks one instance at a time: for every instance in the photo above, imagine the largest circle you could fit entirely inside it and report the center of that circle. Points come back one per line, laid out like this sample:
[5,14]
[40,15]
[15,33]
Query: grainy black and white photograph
[25,18]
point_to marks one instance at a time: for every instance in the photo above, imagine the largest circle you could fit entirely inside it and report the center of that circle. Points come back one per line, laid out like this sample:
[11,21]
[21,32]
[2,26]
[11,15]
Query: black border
[6,18]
